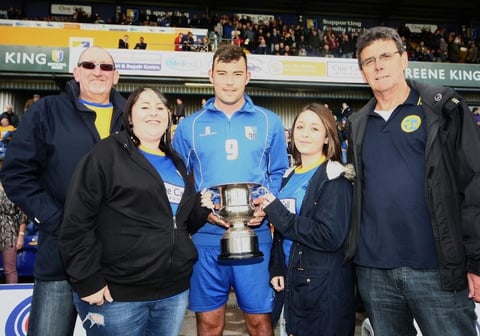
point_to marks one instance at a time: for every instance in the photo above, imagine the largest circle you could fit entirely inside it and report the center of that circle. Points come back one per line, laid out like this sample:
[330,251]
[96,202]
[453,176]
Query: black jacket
[319,295]
[55,133]
[452,181]
[119,228]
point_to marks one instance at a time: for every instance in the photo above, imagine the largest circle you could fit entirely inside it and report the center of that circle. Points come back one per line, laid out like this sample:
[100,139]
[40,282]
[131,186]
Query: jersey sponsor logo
[174,192]
[250,132]
[290,204]
[208,131]
[411,123]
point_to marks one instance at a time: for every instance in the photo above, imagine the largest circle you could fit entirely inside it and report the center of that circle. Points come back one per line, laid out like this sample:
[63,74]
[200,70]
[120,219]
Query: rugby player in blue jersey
[231,140]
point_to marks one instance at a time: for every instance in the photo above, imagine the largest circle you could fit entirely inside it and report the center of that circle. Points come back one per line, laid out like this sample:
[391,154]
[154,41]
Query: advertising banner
[178,64]
[34,59]
[59,34]
[15,310]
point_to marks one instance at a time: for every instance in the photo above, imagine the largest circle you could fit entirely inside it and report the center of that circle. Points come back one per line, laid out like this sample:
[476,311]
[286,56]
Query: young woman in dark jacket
[125,238]
[311,216]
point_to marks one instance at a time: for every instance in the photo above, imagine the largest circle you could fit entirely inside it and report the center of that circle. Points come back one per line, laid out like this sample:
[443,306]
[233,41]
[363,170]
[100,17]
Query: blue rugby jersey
[248,147]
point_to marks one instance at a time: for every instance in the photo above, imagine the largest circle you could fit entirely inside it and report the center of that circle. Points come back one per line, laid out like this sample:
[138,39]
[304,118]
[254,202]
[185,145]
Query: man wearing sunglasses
[54,135]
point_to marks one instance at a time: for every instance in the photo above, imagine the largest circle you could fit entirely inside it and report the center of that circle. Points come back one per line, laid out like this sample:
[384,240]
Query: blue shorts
[211,283]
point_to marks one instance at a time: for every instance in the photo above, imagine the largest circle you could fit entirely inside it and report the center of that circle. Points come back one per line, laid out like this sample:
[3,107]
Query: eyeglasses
[385,57]
[91,66]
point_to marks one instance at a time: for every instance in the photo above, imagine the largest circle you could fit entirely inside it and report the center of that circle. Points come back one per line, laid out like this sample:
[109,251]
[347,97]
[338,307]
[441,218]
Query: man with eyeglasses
[415,234]
[54,135]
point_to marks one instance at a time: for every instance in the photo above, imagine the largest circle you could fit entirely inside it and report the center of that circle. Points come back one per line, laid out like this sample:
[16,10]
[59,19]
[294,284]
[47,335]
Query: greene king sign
[34,59]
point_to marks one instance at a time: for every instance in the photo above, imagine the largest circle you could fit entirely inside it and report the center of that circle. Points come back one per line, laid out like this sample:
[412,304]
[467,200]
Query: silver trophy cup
[236,207]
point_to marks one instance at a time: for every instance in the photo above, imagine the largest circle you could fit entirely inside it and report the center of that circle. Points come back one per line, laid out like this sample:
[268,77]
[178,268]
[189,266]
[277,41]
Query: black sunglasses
[91,66]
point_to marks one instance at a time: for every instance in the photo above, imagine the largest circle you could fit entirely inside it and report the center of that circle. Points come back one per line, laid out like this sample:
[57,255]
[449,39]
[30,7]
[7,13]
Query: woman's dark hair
[332,149]
[165,142]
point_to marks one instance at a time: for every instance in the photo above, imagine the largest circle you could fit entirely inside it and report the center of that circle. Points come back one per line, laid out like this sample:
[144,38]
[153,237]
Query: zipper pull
[300,268]
[174,222]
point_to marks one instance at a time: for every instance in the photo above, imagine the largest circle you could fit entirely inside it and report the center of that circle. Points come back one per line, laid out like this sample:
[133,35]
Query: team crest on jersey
[411,123]
[250,132]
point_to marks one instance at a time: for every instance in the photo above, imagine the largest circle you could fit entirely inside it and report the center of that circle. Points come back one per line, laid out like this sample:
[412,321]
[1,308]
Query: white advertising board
[15,309]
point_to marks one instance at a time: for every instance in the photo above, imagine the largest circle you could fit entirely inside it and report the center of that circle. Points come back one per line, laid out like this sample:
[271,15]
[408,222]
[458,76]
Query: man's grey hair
[374,34]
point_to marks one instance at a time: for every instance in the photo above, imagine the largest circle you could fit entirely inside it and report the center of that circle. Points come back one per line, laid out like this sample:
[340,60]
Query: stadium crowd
[274,37]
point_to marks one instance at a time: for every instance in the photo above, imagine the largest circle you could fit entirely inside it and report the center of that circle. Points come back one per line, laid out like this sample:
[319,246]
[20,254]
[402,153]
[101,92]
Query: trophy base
[239,244]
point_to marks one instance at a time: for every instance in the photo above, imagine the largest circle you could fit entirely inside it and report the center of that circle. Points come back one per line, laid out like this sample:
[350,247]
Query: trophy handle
[258,192]
[217,201]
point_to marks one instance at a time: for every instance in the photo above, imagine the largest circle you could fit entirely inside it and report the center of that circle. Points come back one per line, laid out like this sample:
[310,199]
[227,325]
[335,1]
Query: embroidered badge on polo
[411,123]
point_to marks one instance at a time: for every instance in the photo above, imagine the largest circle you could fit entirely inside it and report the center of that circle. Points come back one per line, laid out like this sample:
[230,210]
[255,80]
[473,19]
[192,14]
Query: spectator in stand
[79,15]
[472,52]
[315,43]
[194,21]
[326,52]
[12,116]
[332,41]
[288,139]
[30,101]
[453,48]
[219,29]
[141,44]
[276,50]
[426,55]
[275,38]
[5,128]
[476,114]
[262,48]
[346,46]
[443,50]
[249,36]
[203,45]
[302,43]
[268,40]
[13,224]
[302,51]
[289,38]
[214,38]
[178,42]
[228,29]
[345,112]
[98,19]
[14,13]
[123,42]
[188,42]
[237,39]
[179,112]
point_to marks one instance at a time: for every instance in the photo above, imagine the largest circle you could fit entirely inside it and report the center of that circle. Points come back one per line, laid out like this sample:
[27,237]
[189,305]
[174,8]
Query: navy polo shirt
[396,230]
